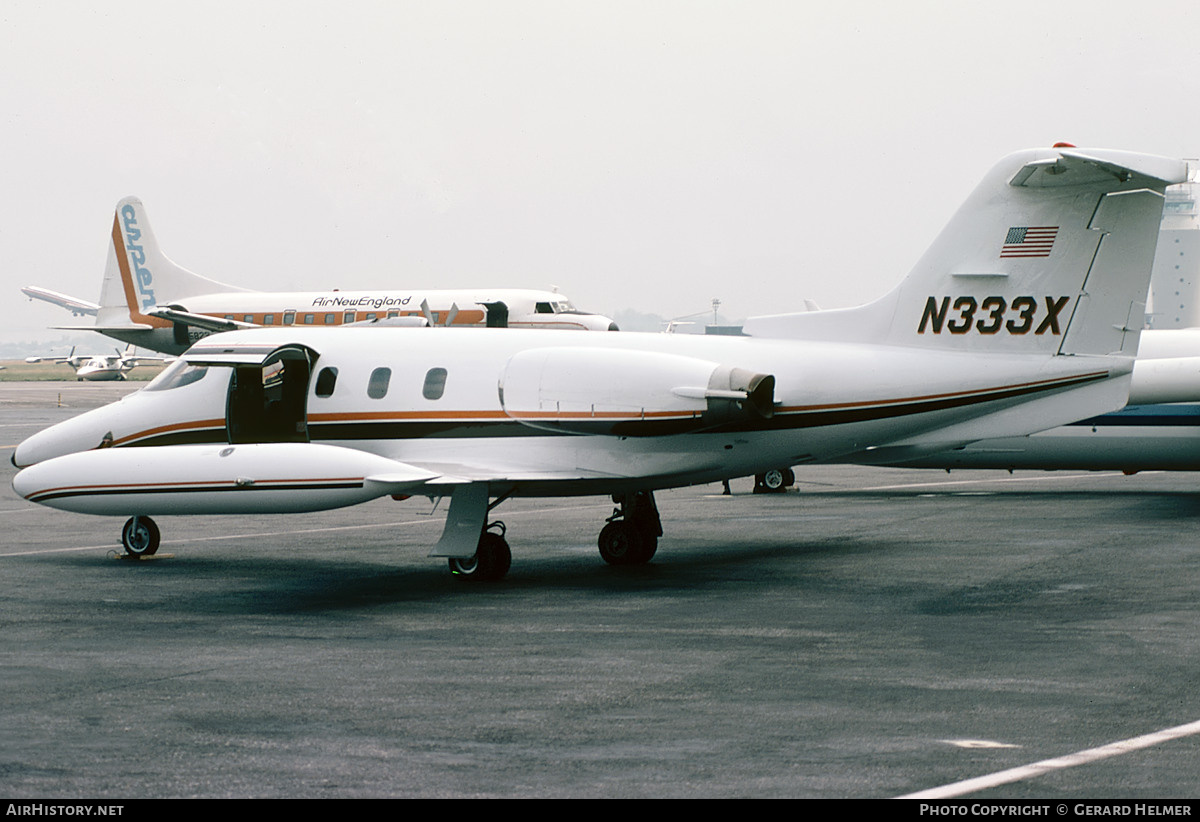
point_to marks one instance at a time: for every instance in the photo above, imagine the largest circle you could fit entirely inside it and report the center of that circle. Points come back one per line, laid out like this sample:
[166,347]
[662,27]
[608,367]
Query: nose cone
[83,433]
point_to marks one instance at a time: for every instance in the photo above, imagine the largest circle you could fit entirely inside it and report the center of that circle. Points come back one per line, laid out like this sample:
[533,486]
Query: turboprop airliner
[100,367]
[1023,315]
[150,301]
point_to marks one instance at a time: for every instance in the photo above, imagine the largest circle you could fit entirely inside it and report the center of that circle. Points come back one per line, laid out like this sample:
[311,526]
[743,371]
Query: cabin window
[326,380]
[309,319]
[544,308]
[248,318]
[229,316]
[348,317]
[329,319]
[268,319]
[435,384]
[289,317]
[377,386]
[393,313]
[370,315]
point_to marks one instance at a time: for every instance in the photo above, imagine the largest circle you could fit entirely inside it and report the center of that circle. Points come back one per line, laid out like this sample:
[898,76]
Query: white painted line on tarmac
[980,783]
[948,483]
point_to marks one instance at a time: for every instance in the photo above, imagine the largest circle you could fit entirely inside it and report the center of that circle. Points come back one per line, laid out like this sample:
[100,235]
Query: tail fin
[1051,254]
[138,275]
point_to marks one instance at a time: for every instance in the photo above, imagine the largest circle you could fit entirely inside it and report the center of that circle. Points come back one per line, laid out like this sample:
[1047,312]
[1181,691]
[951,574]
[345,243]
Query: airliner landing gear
[631,535]
[775,481]
[492,557]
[140,537]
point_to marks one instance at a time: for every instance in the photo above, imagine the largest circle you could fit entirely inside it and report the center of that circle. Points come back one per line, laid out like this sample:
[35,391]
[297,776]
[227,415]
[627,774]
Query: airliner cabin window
[326,381]
[435,384]
[289,317]
[377,386]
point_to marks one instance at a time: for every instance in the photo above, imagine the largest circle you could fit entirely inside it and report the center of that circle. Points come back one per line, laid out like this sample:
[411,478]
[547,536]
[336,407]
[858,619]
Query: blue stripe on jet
[1152,416]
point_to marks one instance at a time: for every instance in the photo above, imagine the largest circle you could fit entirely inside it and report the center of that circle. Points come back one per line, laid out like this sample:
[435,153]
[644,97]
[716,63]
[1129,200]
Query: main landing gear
[140,536]
[476,549]
[492,557]
[775,481]
[631,535]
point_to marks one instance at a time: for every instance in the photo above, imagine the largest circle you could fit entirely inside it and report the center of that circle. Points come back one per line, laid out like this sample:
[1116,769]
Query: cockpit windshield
[176,375]
[555,307]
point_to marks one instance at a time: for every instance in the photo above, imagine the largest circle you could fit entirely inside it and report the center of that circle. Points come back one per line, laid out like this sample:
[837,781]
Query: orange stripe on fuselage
[1047,383]
[166,429]
[479,416]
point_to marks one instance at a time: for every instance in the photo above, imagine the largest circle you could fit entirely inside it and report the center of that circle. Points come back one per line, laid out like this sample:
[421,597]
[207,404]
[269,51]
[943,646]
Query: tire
[775,481]
[140,536]
[491,561]
[622,544]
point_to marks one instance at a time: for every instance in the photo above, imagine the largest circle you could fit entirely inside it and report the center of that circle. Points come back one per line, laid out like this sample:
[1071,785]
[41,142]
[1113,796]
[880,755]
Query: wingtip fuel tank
[214,479]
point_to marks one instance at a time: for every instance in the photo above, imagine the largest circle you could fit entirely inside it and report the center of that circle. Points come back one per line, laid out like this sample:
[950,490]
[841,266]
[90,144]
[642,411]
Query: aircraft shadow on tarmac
[256,585]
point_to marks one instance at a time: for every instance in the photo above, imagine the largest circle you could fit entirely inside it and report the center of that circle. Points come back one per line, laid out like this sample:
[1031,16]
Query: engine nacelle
[630,393]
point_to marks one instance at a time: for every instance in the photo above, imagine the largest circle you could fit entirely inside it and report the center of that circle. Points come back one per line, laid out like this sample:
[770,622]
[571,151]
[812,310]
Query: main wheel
[774,481]
[140,536]
[622,544]
[491,561]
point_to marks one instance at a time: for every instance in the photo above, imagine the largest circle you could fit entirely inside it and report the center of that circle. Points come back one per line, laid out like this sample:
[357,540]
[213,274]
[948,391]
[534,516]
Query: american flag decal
[1029,241]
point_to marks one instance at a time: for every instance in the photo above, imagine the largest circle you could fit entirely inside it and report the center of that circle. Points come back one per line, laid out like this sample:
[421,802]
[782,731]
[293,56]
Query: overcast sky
[638,155]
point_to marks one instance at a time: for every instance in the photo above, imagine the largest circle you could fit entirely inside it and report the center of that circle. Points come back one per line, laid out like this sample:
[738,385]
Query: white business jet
[1023,315]
[100,367]
[149,300]
[1158,431]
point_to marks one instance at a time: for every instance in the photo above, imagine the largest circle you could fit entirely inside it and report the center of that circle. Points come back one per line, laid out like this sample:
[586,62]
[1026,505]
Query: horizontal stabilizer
[1050,255]
[104,328]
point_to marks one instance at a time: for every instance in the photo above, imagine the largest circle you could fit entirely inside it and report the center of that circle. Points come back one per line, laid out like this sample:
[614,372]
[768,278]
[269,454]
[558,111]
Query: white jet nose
[83,433]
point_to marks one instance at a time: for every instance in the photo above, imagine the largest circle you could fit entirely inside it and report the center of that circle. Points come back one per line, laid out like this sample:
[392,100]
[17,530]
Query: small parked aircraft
[150,301]
[100,367]
[1023,315]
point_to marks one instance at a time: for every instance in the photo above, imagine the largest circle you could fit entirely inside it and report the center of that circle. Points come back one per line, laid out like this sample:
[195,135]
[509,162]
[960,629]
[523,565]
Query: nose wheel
[140,536]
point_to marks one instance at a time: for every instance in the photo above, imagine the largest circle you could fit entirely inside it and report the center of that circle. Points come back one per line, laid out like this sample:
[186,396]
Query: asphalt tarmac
[872,633]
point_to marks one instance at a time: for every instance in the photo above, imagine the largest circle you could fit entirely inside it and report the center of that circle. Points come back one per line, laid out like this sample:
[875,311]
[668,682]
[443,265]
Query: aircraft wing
[178,315]
[73,304]
[461,473]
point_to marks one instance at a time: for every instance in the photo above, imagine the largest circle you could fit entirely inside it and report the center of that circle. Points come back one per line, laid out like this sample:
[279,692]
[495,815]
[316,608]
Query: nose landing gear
[140,536]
